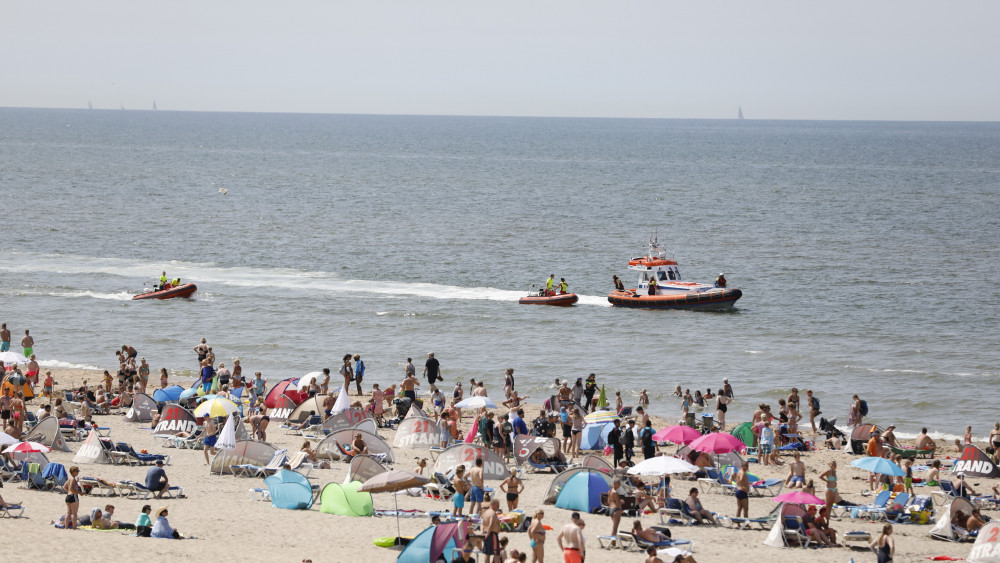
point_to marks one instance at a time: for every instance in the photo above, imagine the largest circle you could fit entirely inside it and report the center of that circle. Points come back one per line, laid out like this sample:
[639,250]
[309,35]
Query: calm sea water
[866,251]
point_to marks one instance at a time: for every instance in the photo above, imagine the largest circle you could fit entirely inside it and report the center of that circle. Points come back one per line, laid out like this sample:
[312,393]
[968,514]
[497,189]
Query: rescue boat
[669,291]
[183,290]
[557,299]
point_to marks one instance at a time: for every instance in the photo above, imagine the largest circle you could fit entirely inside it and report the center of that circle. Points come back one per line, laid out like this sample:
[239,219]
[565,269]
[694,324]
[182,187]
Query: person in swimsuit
[211,436]
[742,492]
[491,527]
[461,486]
[884,546]
[615,507]
[698,512]
[933,476]
[721,407]
[513,487]
[796,472]
[73,493]
[536,532]
[830,476]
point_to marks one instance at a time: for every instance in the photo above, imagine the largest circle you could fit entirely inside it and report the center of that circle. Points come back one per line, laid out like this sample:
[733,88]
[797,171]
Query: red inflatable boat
[183,290]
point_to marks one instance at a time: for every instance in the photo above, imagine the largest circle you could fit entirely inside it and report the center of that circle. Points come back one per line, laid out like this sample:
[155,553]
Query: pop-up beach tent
[559,481]
[285,388]
[418,433]
[338,443]
[289,490]
[346,418]
[986,548]
[47,432]
[582,492]
[92,450]
[595,435]
[363,468]
[246,452]
[142,409]
[943,529]
[494,467]
[301,412]
[346,500]
[975,463]
[174,421]
[169,394]
[435,543]
[283,407]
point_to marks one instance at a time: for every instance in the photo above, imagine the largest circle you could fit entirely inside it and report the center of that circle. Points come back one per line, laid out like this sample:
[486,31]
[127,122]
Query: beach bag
[863,408]
[815,405]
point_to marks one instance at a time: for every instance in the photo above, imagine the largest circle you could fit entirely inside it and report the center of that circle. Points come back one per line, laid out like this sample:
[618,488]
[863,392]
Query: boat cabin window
[663,275]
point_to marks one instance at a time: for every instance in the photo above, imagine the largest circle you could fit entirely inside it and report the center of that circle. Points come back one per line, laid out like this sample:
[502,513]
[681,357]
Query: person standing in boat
[562,286]
[549,283]
[618,283]
[720,281]
[163,280]
[652,285]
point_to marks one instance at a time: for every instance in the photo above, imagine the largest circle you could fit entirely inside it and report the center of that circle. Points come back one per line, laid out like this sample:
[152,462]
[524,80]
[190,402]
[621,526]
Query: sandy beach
[227,524]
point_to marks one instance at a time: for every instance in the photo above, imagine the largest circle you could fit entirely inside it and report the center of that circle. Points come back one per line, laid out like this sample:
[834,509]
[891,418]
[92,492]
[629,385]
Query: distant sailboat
[90,105]
[123,107]
[154,105]
[739,115]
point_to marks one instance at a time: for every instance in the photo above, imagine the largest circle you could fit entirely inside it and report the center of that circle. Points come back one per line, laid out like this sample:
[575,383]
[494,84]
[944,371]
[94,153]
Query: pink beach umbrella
[718,443]
[678,434]
[798,497]
[28,447]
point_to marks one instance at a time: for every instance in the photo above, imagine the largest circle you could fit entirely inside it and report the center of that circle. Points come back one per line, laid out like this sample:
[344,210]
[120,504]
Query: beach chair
[142,493]
[31,474]
[439,487]
[946,494]
[765,522]
[55,477]
[192,442]
[277,460]
[722,479]
[880,502]
[10,471]
[98,486]
[146,459]
[259,495]
[12,511]
[675,508]
[623,541]
[770,486]
[298,462]
[795,532]
[644,544]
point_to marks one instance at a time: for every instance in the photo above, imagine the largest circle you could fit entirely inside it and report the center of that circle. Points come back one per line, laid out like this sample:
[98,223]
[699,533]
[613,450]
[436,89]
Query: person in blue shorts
[461,487]
[211,436]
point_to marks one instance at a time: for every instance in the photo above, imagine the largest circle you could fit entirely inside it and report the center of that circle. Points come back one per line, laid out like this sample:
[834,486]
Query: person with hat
[963,489]
[161,527]
[156,479]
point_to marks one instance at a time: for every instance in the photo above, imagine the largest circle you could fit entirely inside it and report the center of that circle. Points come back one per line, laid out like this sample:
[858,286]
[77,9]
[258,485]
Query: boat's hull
[713,300]
[563,300]
[184,290]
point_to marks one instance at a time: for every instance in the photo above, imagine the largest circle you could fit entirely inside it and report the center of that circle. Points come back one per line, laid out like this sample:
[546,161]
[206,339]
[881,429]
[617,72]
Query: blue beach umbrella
[188,393]
[879,465]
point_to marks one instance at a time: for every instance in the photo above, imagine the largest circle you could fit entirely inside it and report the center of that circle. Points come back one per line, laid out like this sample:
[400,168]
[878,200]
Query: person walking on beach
[813,404]
[4,338]
[432,370]
[28,343]
[721,407]
[211,436]
[855,417]
[407,385]
[570,540]
[830,478]
[207,374]
[615,441]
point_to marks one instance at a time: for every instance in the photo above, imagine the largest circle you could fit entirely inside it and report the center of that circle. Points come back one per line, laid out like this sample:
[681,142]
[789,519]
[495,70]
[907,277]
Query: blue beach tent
[595,436]
[582,492]
[289,490]
[435,542]
[169,395]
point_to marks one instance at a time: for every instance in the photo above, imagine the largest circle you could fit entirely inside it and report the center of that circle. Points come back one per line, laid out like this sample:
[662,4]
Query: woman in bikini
[830,477]
[73,493]
[536,532]
[995,437]
[513,487]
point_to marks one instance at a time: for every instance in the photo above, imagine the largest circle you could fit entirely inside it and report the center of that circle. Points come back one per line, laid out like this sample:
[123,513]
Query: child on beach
[47,388]
[908,480]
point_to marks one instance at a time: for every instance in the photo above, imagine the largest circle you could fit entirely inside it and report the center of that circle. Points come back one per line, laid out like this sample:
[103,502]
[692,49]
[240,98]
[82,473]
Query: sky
[850,60]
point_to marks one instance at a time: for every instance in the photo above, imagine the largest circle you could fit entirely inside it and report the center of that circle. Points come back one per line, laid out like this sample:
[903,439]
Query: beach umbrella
[598,417]
[662,465]
[602,399]
[476,403]
[216,407]
[227,438]
[306,380]
[28,447]
[798,497]
[678,434]
[188,393]
[6,439]
[9,357]
[394,481]
[879,465]
[717,443]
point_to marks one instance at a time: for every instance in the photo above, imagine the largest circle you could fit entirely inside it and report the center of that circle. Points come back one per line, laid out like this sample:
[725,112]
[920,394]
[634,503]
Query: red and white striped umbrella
[28,447]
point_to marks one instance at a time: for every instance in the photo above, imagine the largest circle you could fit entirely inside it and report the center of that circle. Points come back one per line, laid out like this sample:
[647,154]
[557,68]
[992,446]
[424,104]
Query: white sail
[739,114]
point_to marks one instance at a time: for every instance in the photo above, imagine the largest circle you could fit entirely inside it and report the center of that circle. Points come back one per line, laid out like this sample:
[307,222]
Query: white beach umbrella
[9,357]
[662,465]
[476,403]
[227,438]
[6,439]
[306,380]
[342,404]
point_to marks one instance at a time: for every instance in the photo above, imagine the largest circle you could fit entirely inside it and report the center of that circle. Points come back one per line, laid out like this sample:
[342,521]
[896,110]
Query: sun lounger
[794,532]
[878,504]
[260,495]
[675,509]
[10,472]
[765,522]
[643,544]
[947,492]
[142,493]
[911,453]
[623,540]
[97,486]
[439,487]
[721,479]
[12,511]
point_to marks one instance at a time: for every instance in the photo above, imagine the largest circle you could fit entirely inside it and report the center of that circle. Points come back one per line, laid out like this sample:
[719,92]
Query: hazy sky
[893,60]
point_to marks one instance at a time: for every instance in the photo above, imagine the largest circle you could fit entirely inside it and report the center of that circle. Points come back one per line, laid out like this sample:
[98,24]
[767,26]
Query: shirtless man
[491,527]
[570,540]
[408,384]
[796,473]
[6,402]
[478,390]
[925,442]
[615,507]
[742,491]
[477,492]
[4,338]
[28,343]
[358,446]
[129,351]
[31,370]
[211,436]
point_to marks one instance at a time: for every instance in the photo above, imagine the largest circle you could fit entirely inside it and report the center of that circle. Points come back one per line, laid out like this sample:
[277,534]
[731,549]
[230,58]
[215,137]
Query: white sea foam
[64,365]
[276,278]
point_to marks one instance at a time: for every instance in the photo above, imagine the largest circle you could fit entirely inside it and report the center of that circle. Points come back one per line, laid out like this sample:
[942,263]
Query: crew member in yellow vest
[652,286]
[549,283]
[163,280]
[176,282]
[562,286]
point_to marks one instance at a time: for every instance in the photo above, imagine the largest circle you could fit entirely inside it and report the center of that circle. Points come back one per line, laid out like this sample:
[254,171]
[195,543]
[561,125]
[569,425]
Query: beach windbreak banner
[174,421]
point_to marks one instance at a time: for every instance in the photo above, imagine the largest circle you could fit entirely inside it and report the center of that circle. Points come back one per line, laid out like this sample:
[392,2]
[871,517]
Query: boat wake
[257,278]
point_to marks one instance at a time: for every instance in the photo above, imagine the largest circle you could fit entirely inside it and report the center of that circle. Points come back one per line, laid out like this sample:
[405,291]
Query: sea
[866,251]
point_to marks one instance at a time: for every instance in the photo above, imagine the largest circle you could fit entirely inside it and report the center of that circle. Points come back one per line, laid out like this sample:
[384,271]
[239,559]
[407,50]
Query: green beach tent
[346,500]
